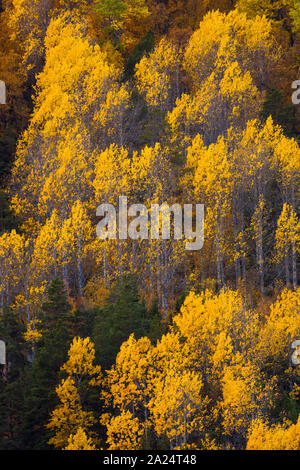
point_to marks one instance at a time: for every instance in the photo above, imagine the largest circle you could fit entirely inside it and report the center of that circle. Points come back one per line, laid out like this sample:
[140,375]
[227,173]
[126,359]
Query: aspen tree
[70,417]
[288,241]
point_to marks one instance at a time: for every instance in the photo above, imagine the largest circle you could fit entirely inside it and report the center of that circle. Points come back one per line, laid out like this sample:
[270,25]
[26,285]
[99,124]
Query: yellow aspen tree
[177,407]
[223,39]
[128,392]
[287,157]
[75,238]
[246,396]
[258,223]
[124,432]
[222,101]
[80,441]
[79,99]
[216,325]
[227,60]
[158,76]
[127,380]
[70,176]
[213,184]
[283,436]
[287,160]
[14,254]
[81,360]
[112,174]
[288,241]
[29,21]
[239,205]
[112,180]
[280,329]
[78,82]
[256,148]
[169,354]
[45,256]
[70,416]
[153,181]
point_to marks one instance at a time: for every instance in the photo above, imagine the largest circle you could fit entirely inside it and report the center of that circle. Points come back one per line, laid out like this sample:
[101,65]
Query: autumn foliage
[142,344]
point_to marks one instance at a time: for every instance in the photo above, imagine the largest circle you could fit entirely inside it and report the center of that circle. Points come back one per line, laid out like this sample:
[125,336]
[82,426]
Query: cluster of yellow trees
[77,153]
[216,373]
[185,128]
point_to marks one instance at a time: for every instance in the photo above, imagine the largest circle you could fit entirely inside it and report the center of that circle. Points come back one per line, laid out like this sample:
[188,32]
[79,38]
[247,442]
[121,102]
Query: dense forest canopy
[140,344]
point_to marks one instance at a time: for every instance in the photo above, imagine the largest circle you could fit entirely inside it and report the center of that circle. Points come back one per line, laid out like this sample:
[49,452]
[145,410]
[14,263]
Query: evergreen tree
[43,377]
[124,314]
[12,382]
[281,114]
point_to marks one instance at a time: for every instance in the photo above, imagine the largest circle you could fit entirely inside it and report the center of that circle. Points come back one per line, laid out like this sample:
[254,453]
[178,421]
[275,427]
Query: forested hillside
[129,344]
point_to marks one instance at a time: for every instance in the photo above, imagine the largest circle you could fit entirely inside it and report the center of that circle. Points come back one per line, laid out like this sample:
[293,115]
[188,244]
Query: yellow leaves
[124,432]
[29,20]
[156,75]
[128,390]
[45,253]
[69,418]
[68,176]
[287,157]
[28,17]
[221,59]
[169,354]
[72,64]
[288,232]
[223,352]
[74,153]
[33,335]
[127,380]
[245,395]
[182,117]
[81,357]
[13,259]
[214,335]
[282,326]
[220,102]
[80,441]
[207,315]
[239,90]
[154,384]
[213,174]
[79,102]
[285,436]
[75,236]
[222,39]
[177,406]
[112,169]
[257,148]
[215,328]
